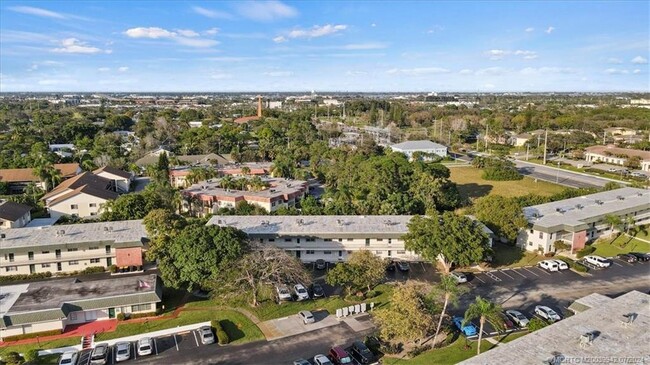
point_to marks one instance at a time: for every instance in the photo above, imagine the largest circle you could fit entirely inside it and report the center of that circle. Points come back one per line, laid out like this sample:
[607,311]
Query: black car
[641,256]
[320,264]
[627,257]
[317,290]
[362,354]
[403,266]
[390,265]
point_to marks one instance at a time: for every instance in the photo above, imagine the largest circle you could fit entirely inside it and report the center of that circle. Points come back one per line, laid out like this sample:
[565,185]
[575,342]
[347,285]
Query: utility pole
[487,133]
[604,137]
[450,138]
[527,149]
[545,144]
[344,110]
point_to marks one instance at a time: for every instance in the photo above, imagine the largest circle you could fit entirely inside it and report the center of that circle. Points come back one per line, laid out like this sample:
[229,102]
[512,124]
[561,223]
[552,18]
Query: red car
[339,356]
[506,323]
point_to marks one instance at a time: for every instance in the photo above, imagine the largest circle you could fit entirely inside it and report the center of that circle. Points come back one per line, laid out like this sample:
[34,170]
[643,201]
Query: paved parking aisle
[187,340]
[166,343]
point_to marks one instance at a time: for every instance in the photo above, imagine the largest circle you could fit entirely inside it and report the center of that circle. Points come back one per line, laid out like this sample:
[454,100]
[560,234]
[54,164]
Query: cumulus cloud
[493,71]
[265,10]
[527,55]
[418,71]
[280,39]
[73,45]
[210,13]
[616,71]
[278,73]
[498,54]
[317,31]
[356,73]
[549,30]
[212,31]
[529,29]
[636,71]
[639,60]
[465,71]
[37,12]
[186,37]
[614,60]
[123,69]
[103,69]
[547,70]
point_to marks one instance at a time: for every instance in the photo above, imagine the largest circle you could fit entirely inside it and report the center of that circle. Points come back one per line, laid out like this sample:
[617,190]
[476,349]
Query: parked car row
[402,266]
[511,319]
[299,292]
[553,265]
[358,353]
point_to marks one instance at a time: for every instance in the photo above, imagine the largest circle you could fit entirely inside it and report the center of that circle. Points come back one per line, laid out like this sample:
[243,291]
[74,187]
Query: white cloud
[435,29]
[527,55]
[361,46]
[636,71]
[616,71]
[280,39]
[373,25]
[549,30]
[529,29]
[639,60]
[496,54]
[418,71]
[212,31]
[278,73]
[317,31]
[73,45]
[123,69]
[37,12]
[103,69]
[548,70]
[356,73]
[465,71]
[266,10]
[614,61]
[221,76]
[214,14]
[491,71]
[186,37]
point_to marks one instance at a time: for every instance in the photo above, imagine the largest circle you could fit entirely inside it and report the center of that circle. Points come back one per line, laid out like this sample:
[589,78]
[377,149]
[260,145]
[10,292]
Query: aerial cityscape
[324,183]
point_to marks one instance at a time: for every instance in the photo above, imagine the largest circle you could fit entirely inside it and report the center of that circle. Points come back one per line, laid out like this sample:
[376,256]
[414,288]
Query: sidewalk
[74,331]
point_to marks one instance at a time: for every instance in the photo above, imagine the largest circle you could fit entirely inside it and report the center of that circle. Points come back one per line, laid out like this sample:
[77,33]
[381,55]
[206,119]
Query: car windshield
[66,361]
[346,360]
[301,290]
[145,347]
[284,291]
[121,352]
[98,355]
[207,334]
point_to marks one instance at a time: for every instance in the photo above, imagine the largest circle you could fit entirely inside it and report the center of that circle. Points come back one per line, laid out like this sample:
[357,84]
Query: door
[298,254]
[111,312]
[109,261]
[58,266]
[32,268]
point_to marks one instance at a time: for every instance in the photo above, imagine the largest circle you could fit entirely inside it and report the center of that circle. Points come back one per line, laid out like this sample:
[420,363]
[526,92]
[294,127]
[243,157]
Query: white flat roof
[417,145]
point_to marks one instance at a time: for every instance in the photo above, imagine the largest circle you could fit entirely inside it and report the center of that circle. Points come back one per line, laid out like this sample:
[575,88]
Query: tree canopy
[504,216]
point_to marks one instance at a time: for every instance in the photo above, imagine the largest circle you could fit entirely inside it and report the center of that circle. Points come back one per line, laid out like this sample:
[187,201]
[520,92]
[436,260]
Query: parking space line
[135,353]
[542,270]
[155,347]
[530,271]
[616,263]
[479,279]
[176,342]
[195,339]
[517,272]
[504,273]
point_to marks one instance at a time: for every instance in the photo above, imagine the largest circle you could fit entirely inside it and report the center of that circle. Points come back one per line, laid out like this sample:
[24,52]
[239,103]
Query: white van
[561,264]
[597,261]
[549,265]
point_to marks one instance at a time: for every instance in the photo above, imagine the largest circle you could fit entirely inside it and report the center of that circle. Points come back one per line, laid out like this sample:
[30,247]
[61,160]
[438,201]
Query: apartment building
[81,196]
[18,179]
[14,215]
[577,221]
[74,247]
[277,193]
[55,304]
[617,156]
[331,238]
[410,147]
[120,180]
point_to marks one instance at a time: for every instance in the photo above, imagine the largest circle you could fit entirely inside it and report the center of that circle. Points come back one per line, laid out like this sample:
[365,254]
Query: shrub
[549,254]
[222,336]
[535,324]
[112,269]
[585,251]
[141,315]
[418,350]
[31,335]
[391,348]
[372,294]
[121,316]
[20,277]
[31,355]
[13,358]
[574,265]
[93,269]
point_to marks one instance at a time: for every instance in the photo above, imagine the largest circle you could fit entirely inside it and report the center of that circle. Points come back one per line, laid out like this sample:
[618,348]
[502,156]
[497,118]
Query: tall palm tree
[614,221]
[483,310]
[54,176]
[630,224]
[450,291]
[226,182]
[245,170]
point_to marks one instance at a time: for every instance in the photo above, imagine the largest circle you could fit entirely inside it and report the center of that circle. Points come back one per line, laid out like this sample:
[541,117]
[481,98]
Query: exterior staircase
[88,341]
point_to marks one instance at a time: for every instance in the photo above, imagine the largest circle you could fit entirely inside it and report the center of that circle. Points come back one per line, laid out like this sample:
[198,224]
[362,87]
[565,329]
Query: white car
[321,359]
[598,261]
[549,265]
[99,356]
[145,346]
[122,351]
[561,265]
[459,277]
[69,358]
[301,292]
[517,317]
[207,337]
[306,316]
[283,292]
[547,313]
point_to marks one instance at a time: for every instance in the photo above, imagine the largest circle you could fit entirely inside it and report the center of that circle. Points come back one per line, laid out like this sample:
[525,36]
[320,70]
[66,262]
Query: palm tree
[54,176]
[450,291]
[245,170]
[483,310]
[614,222]
[33,191]
[226,182]
[630,224]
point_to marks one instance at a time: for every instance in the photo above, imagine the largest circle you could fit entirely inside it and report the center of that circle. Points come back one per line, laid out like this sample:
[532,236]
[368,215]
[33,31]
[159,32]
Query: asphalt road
[562,177]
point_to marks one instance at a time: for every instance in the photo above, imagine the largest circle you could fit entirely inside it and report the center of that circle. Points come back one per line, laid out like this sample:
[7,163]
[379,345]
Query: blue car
[469,329]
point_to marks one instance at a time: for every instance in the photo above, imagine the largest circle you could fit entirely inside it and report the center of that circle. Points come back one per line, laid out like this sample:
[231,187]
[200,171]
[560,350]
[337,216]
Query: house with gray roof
[579,220]
[14,215]
[55,304]
[425,147]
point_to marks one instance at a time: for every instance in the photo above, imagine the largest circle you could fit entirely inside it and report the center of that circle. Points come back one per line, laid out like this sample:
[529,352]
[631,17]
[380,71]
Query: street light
[557,173]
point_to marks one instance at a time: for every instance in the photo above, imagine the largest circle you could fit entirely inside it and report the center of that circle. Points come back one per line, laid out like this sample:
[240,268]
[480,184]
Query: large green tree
[504,216]
[370,268]
[447,238]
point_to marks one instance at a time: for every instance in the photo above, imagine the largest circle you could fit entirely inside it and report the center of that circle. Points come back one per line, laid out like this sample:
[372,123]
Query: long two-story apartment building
[74,247]
[328,237]
[577,221]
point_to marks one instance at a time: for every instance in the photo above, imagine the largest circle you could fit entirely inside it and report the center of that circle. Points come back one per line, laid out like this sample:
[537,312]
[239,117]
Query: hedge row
[123,316]
[31,335]
[574,265]
[585,251]
[222,336]
[20,277]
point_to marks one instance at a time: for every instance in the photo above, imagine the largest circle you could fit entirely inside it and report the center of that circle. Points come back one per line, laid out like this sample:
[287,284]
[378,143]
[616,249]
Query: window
[378,252]
[93,213]
[92,205]
[74,206]
[11,257]
[94,248]
[401,252]
[340,239]
[390,253]
[327,252]
[287,240]
[271,239]
[327,240]
[380,239]
[30,255]
[140,307]
[530,243]
[73,262]
[531,231]
[261,240]
[309,252]
[390,240]
[108,249]
[311,239]
[11,268]
[350,239]
[73,249]
[367,242]
[45,266]
[45,252]
[94,261]
[541,234]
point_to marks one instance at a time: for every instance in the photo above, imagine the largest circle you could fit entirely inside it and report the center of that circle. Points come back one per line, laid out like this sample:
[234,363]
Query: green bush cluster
[31,355]
[585,251]
[13,358]
[222,336]
[574,265]
[20,277]
[142,315]
[31,335]
[418,350]
[121,316]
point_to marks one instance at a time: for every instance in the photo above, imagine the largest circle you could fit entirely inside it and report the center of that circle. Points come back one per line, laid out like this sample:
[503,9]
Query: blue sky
[324,46]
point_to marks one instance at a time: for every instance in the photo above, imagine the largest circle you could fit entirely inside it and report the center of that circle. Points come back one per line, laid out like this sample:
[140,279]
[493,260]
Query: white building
[328,237]
[63,150]
[410,147]
[120,180]
[14,215]
[616,156]
[577,221]
[81,196]
[55,304]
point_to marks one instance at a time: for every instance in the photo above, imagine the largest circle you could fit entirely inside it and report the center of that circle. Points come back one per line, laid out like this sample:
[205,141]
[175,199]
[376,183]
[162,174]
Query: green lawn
[622,244]
[452,354]
[472,185]
[511,256]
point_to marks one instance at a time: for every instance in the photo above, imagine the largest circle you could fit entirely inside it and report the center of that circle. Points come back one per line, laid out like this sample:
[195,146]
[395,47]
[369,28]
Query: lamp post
[557,173]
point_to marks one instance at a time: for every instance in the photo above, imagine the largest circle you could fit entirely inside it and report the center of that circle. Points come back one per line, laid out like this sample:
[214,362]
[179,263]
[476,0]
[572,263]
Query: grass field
[622,244]
[510,256]
[472,185]
[452,354]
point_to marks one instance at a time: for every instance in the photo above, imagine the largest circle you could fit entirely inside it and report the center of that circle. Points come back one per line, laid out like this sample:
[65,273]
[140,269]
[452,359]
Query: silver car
[99,355]
[307,317]
[145,346]
[122,351]
[207,337]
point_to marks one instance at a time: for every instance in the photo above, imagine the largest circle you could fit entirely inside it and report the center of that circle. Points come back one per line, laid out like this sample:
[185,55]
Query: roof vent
[559,210]
[579,206]
[599,202]
[300,221]
[628,319]
[3,236]
[60,233]
[219,221]
[586,339]
[339,222]
[108,229]
[620,197]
